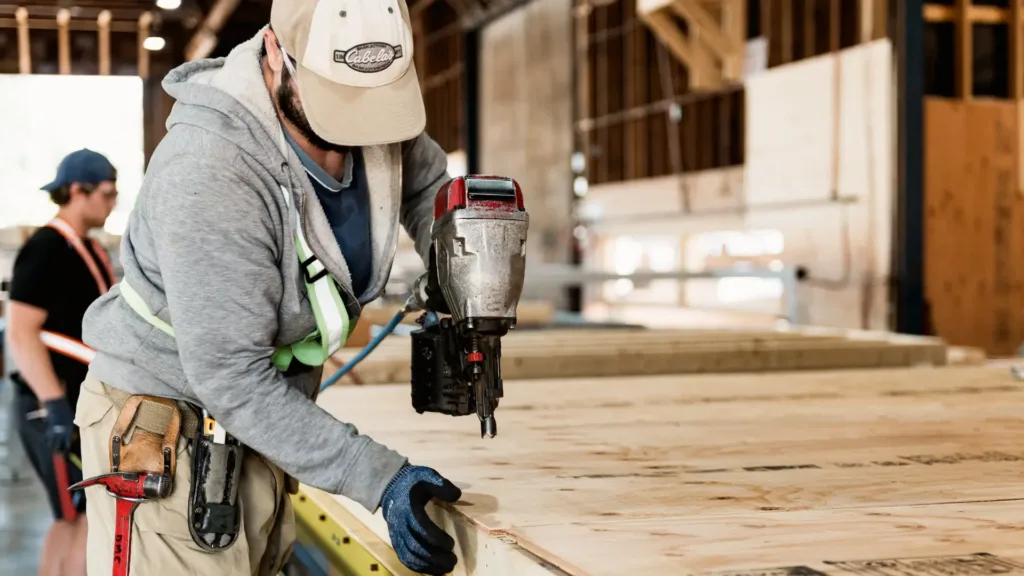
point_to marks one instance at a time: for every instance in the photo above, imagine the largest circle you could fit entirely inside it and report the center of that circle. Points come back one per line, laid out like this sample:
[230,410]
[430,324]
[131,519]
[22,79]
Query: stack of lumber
[624,352]
[892,472]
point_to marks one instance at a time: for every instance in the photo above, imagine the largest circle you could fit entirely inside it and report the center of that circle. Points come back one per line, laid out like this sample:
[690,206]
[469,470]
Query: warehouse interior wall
[816,190]
[526,117]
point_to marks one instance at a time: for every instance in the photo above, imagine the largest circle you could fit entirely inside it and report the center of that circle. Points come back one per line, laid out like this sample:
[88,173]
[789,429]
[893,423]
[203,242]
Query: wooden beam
[419,47]
[601,96]
[1016,59]
[786,7]
[584,79]
[866,13]
[145,21]
[103,42]
[75,25]
[964,50]
[632,72]
[205,39]
[976,14]
[880,10]
[810,36]
[666,31]
[835,32]
[766,21]
[24,48]
[734,18]
[710,30]
[63,42]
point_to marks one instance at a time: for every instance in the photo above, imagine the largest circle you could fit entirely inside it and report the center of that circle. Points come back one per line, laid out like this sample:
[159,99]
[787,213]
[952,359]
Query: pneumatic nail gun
[476,273]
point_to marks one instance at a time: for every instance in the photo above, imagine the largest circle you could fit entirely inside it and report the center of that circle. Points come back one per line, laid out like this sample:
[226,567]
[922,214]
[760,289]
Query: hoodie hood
[229,96]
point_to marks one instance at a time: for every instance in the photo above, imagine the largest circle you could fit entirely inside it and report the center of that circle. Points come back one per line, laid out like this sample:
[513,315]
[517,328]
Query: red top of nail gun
[490,193]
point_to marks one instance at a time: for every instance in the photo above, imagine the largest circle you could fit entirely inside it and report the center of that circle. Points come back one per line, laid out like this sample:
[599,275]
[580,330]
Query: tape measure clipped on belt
[333,326]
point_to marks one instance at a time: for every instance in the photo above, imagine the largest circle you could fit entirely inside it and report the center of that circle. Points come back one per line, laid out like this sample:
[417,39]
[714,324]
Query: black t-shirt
[50,274]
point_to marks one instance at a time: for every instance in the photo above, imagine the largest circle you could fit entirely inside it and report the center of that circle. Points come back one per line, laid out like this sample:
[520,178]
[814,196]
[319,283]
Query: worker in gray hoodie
[268,216]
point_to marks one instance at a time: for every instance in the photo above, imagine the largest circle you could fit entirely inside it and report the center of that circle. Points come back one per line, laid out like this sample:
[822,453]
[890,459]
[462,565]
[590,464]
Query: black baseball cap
[84,167]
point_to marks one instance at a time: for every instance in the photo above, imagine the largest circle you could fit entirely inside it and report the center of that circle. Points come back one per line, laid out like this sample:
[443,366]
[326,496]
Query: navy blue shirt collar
[319,174]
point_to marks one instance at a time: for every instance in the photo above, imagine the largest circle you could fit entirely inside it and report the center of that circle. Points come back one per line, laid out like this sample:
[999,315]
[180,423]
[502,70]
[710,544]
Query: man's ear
[274,57]
[74,189]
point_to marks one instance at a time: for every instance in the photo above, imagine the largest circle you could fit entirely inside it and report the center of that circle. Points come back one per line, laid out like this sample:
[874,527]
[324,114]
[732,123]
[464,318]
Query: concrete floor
[24,513]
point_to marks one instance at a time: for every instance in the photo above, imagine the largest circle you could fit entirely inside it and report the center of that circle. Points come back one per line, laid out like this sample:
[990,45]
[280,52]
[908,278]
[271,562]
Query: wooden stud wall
[636,118]
[799,29]
[974,79]
[637,114]
[438,41]
[973,49]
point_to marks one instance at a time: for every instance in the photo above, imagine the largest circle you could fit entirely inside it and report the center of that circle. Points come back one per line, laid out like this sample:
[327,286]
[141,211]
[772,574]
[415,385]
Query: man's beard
[292,110]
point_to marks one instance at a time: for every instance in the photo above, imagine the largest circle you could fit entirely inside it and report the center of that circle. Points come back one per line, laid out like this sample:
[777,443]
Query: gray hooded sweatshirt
[210,248]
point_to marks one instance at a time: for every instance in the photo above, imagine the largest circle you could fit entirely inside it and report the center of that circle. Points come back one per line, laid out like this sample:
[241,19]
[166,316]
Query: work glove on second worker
[60,423]
[420,544]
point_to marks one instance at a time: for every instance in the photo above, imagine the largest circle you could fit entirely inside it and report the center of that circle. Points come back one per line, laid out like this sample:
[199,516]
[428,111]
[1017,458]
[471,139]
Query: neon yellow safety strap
[311,350]
[331,315]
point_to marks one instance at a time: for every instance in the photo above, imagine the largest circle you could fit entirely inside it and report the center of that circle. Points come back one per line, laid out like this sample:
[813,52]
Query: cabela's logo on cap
[369,57]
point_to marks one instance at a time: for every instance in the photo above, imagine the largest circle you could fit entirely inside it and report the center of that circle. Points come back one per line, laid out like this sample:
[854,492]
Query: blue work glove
[60,422]
[421,545]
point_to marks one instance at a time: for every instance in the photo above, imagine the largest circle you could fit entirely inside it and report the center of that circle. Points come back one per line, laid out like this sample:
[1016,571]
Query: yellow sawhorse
[336,542]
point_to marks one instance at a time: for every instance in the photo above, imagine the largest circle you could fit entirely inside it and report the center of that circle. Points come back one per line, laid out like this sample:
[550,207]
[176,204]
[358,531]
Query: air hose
[431,319]
[388,329]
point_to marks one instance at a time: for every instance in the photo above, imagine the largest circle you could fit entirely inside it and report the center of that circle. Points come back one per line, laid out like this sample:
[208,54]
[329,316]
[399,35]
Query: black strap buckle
[305,270]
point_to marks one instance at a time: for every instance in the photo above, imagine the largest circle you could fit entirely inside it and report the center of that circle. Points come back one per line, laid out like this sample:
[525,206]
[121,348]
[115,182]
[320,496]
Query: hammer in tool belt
[142,463]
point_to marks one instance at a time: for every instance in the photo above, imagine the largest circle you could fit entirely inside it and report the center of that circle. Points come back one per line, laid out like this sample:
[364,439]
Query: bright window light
[102,113]
[580,186]
[154,43]
[168,4]
[457,164]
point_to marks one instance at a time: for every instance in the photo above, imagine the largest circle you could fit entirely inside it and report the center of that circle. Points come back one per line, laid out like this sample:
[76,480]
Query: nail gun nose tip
[488,427]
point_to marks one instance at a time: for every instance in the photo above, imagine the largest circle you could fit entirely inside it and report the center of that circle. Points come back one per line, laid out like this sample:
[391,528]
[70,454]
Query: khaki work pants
[161,542]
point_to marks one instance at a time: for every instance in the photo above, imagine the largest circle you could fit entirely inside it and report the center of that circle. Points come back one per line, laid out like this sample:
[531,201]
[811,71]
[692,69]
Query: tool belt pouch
[214,512]
[145,436]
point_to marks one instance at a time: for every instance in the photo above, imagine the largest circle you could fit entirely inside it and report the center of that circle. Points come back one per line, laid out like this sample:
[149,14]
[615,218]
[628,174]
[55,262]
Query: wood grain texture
[625,352]
[974,224]
[691,474]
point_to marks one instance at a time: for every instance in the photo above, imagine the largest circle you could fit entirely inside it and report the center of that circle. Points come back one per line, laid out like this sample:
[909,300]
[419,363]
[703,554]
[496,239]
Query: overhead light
[168,4]
[153,43]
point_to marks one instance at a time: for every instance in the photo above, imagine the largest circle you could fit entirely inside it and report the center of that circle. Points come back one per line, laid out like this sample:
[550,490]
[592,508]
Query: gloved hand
[60,423]
[421,545]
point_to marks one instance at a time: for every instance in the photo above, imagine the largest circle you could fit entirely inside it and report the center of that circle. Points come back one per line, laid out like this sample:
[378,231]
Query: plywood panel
[974,252]
[719,190]
[832,192]
[691,474]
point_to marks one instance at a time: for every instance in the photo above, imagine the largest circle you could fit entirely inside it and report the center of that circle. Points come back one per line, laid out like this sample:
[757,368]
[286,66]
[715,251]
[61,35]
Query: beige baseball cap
[355,75]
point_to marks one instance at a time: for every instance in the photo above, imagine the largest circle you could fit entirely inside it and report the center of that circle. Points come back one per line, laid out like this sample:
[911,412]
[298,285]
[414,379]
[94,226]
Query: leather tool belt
[145,436]
[144,439]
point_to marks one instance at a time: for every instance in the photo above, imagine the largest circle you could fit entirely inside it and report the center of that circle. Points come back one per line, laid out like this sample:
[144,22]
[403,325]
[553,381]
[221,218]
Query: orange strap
[61,344]
[76,242]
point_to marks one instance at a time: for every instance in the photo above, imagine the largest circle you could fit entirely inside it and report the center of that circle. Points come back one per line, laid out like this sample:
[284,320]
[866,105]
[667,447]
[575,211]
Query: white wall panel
[42,118]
